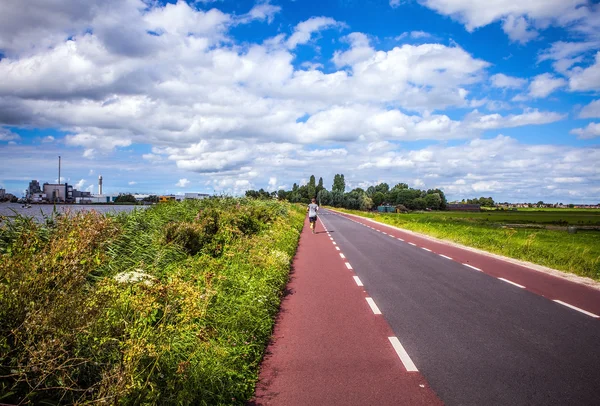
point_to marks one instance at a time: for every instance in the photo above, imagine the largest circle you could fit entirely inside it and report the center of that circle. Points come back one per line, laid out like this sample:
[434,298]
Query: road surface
[454,326]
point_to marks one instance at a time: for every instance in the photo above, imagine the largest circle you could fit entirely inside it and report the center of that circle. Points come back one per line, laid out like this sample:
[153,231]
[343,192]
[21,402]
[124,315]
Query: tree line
[358,199]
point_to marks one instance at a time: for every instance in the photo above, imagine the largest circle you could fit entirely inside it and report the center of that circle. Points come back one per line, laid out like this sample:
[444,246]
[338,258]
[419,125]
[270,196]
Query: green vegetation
[170,305]
[498,232]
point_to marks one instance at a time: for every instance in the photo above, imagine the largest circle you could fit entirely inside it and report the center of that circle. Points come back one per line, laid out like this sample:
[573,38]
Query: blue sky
[498,98]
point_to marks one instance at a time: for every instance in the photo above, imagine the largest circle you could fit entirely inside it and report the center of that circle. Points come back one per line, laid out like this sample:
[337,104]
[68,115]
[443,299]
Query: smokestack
[59,169]
[100,184]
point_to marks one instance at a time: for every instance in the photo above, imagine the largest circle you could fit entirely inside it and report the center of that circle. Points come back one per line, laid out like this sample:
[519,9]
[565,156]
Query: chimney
[100,184]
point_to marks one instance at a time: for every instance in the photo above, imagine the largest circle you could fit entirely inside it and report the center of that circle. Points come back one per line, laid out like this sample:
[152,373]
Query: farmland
[539,236]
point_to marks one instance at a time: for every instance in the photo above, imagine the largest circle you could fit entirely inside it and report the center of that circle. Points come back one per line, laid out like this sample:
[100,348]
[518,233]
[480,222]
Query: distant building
[34,187]
[2,193]
[196,196]
[58,193]
[463,207]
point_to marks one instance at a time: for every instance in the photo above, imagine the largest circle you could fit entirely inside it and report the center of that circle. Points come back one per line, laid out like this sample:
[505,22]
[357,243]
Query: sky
[495,98]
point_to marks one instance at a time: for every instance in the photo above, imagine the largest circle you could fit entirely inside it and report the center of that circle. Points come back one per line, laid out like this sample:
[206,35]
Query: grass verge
[575,253]
[170,305]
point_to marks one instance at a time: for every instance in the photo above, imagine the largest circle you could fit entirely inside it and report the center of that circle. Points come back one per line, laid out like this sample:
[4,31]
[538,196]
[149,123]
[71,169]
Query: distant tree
[540,203]
[324,197]
[125,198]
[339,184]
[365,202]
[371,191]
[151,199]
[320,186]
[433,201]
[382,187]
[311,187]
[282,194]
[419,203]
[337,199]
[378,198]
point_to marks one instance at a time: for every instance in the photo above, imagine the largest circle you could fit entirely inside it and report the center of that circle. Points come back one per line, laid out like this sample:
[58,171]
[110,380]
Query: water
[36,210]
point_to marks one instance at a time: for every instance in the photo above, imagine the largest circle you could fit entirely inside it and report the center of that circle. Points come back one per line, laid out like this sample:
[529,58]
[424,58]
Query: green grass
[575,253]
[194,334]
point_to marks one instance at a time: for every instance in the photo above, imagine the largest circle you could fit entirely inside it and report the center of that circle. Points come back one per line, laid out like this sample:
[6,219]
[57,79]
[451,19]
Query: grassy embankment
[512,234]
[192,330]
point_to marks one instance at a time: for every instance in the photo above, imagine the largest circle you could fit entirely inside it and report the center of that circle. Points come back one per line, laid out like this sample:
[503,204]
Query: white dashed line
[408,364]
[337,248]
[373,306]
[358,281]
[331,238]
[412,243]
[348,265]
[342,255]
[512,283]
[333,242]
[447,257]
[400,239]
[577,308]
[384,232]
[426,249]
[472,267]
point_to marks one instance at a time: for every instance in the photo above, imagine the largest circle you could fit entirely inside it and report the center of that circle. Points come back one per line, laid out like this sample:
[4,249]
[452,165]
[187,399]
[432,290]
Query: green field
[191,330]
[539,236]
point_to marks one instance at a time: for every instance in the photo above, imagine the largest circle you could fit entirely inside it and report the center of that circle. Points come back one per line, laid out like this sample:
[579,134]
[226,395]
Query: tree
[433,201]
[125,198]
[324,197]
[383,188]
[371,191]
[339,184]
[311,189]
[378,198]
[419,203]
[365,202]
[320,186]
[337,199]
[282,194]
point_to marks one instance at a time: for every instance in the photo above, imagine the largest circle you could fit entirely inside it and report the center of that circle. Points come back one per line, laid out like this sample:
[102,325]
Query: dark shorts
[312,219]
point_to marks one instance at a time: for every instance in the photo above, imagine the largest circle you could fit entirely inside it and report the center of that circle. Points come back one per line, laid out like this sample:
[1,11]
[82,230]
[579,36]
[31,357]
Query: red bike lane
[329,347]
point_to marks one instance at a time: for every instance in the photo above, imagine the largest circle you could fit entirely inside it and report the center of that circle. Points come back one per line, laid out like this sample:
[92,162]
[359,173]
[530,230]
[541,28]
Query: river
[39,210]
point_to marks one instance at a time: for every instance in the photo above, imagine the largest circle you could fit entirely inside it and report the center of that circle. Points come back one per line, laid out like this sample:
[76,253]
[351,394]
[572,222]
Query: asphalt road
[477,339]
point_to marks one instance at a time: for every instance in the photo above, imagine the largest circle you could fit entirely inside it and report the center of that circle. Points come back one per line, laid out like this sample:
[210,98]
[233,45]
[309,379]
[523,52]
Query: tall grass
[575,253]
[189,327]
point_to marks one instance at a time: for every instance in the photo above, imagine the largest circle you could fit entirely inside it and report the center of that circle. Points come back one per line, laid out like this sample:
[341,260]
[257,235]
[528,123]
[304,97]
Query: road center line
[408,364]
[384,232]
[400,239]
[358,281]
[512,283]
[426,249]
[447,257]
[373,306]
[412,243]
[577,308]
[342,255]
[472,267]
[348,265]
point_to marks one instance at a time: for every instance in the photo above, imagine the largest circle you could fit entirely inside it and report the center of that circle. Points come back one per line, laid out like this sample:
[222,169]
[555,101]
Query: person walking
[312,209]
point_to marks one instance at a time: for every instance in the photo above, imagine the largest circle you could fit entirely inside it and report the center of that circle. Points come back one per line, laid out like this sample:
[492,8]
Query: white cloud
[544,84]
[587,133]
[262,11]
[79,185]
[304,30]
[518,29]
[493,121]
[586,79]
[503,81]
[7,135]
[395,3]
[413,35]
[132,183]
[182,182]
[592,110]
[48,139]
[474,14]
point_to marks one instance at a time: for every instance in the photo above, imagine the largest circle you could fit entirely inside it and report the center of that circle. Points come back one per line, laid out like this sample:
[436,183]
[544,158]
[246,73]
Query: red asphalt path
[328,346]
[552,287]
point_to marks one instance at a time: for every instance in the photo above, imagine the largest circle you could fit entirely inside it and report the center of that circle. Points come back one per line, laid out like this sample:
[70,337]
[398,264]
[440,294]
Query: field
[170,305]
[540,237]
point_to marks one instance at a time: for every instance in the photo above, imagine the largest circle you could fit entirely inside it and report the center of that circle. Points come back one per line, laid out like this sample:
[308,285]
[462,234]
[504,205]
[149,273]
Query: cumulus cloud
[79,185]
[182,182]
[304,30]
[7,135]
[592,110]
[586,79]
[544,84]
[501,80]
[479,121]
[587,133]
[518,29]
